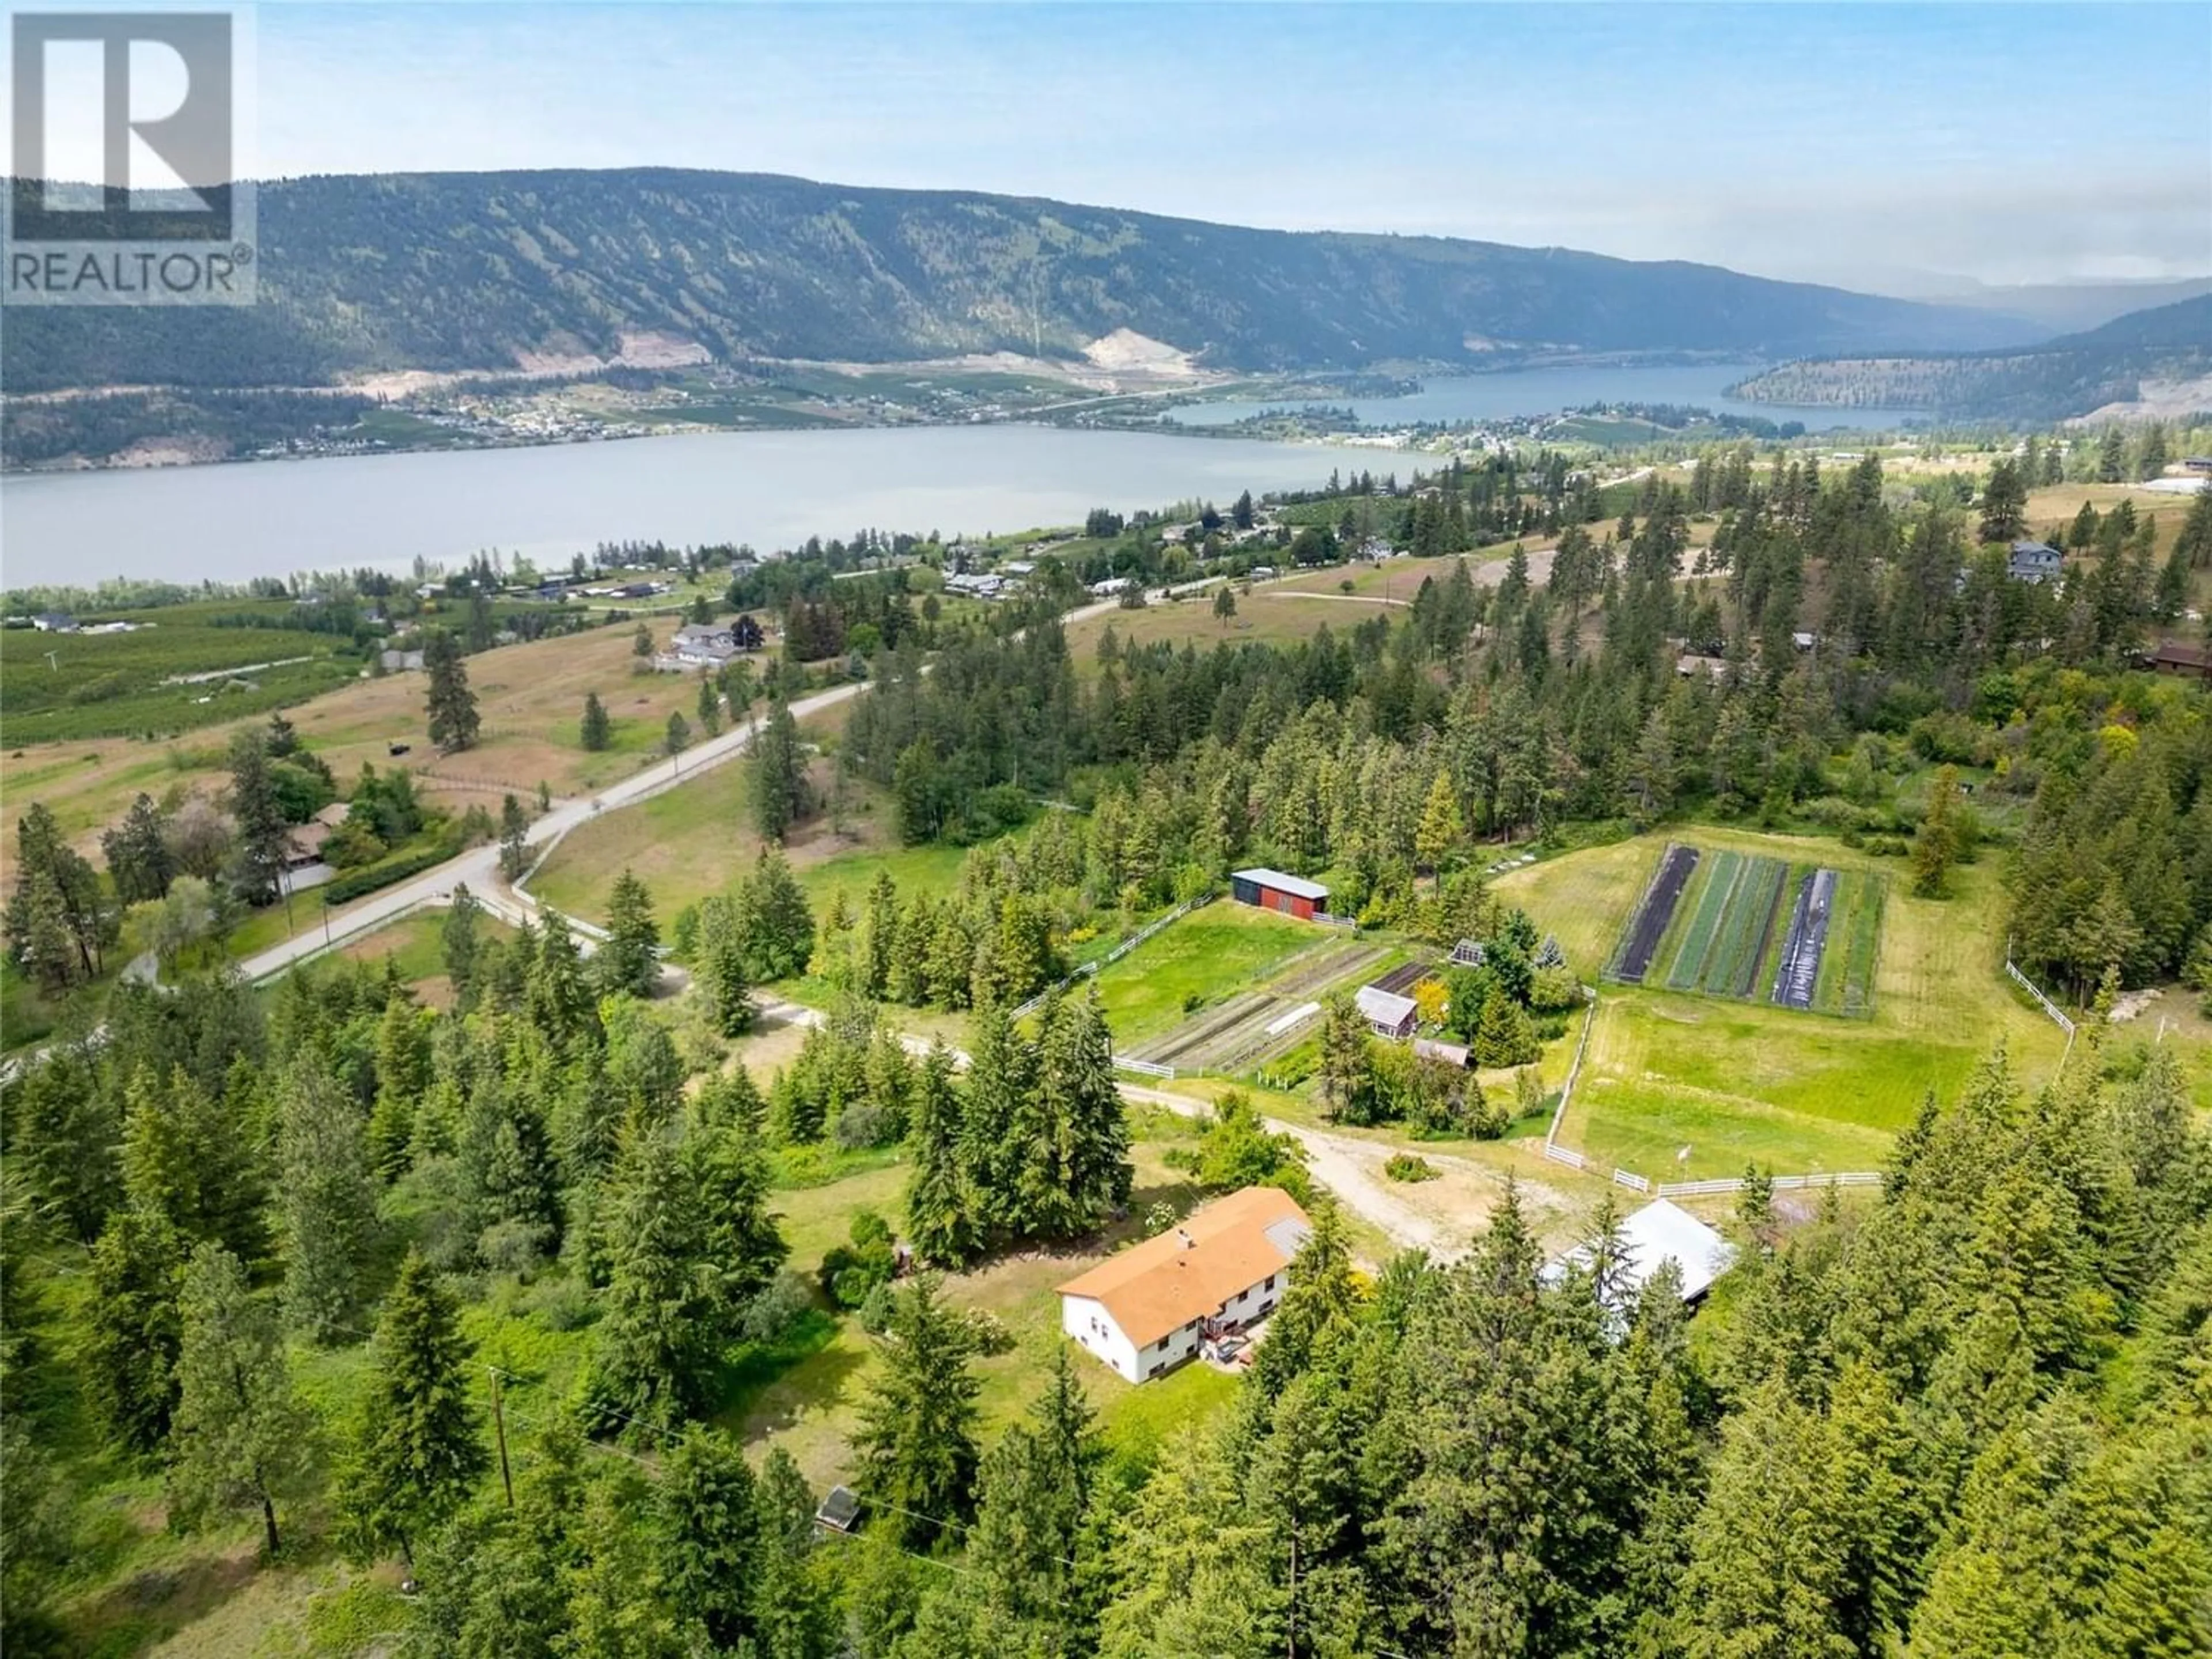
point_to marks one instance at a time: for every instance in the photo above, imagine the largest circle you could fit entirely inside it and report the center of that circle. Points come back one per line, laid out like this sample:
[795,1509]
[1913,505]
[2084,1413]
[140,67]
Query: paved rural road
[479,865]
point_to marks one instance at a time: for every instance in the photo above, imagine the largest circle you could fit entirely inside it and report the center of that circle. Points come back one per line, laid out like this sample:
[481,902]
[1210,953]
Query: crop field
[1725,922]
[1255,1025]
[67,686]
[1184,971]
[1738,1080]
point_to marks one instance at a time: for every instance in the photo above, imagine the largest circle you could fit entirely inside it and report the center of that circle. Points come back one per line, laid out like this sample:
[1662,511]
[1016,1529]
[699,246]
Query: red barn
[1271,890]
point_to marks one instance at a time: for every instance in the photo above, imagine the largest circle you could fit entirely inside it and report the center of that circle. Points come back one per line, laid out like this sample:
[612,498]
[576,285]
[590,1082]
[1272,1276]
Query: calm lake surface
[1540,390]
[228,523]
[771,488]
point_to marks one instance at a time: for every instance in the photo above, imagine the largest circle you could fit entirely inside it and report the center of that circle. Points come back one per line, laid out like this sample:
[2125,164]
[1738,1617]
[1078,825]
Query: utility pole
[499,1424]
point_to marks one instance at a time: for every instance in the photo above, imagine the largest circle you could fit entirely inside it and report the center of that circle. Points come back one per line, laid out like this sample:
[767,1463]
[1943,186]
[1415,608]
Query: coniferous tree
[2004,502]
[263,837]
[773,919]
[709,1511]
[452,706]
[939,1221]
[654,1350]
[778,773]
[241,1439]
[1033,1519]
[677,737]
[326,1206]
[460,942]
[743,1247]
[916,1441]
[792,1606]
[1346,1066]
[629,961]
[724,970]
[132,1325]
[513,832]
[710,706]
[559,995]
[138,852]
[417,1447]
[597,730]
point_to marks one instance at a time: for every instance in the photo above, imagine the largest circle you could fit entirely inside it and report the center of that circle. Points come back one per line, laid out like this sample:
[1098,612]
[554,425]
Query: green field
[1738,1081]
[1726,934]
[111,684]
[1208,956]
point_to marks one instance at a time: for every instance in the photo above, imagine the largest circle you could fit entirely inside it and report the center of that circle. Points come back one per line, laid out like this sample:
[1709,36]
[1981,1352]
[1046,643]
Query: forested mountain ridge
[2068,376]
[471,270]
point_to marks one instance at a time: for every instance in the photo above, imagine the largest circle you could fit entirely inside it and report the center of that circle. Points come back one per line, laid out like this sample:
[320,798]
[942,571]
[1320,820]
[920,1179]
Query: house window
[1157,1369]
[1270,1285]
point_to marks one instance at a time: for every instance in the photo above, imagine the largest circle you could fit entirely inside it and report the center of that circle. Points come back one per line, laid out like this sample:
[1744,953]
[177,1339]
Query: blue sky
[2001,142]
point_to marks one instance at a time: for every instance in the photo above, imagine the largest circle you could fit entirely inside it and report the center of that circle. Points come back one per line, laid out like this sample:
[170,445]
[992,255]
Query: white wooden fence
[1115,955]
[1143,1068]
[2058,1018]
[1783,1183]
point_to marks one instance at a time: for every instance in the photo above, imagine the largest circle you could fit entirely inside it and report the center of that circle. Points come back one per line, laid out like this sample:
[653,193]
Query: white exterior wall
[1088,1324]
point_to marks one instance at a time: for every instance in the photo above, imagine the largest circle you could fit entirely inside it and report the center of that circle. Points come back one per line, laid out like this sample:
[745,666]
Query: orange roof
[1188,1272]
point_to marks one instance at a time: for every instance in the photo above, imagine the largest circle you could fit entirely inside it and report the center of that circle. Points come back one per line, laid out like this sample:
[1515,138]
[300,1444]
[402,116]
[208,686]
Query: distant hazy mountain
[482,271]
[2162,357]
[2061,307]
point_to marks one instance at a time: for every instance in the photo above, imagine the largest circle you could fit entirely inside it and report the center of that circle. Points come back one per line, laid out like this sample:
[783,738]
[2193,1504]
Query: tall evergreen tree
[597,730]
[241,1438]
[939,1222]
[513,832]
[326,1206]
[263,837]
[916,1441]
[418,1447]
[709,1511]
[452,706]
[778,773]
[629,960]
[137,853]
[654,1349]
[132,1327]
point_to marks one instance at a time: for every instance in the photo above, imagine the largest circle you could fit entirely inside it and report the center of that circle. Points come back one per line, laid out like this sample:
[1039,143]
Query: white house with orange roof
[1145,1311]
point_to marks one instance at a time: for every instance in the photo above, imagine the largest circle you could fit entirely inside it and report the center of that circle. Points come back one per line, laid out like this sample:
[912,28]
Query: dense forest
[467,270]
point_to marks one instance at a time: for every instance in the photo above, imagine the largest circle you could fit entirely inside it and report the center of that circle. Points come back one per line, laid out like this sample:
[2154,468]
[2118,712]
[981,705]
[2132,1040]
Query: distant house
[1691,664]
[2186,661]
[1662,1231]
[2034,561]
[1018,568]
[303,846]
[1804,641]
[1107,588]
[1387,1013]
[54,622]
[1271,890]
[703,645]
[2199,462]
[1158,1303]
[399,662]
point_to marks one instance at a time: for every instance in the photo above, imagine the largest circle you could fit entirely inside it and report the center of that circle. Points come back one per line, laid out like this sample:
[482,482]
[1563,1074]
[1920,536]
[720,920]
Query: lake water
[1540,391]
[228,523]
[771,488]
